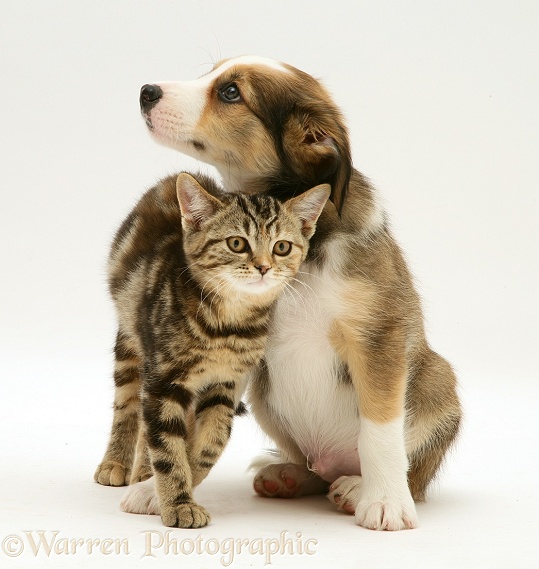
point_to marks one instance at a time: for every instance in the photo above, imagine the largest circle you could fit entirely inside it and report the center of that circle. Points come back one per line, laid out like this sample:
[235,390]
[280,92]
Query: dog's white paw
[386,513]
[141,498]
[345,492]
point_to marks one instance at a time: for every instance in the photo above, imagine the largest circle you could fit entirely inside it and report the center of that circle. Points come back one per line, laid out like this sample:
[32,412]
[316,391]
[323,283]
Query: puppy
[358,404]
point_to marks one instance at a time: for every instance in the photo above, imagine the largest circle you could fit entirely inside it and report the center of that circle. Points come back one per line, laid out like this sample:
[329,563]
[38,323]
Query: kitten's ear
[196,204]
[308,207]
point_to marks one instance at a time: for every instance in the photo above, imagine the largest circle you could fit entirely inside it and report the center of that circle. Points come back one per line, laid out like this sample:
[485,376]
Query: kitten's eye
[237,244]
[230,93]
[282,248]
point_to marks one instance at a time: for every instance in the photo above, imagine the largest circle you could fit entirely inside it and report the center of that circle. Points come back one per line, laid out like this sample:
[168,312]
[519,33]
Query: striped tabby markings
[214,413]
[166,434]
[115,469]
[182,459]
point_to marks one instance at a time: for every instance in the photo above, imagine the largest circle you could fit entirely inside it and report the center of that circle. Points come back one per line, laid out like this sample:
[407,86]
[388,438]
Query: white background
[441,99]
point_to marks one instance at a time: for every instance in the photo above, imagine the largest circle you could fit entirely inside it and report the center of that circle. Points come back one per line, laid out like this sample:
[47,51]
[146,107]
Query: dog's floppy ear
[317,148]
[309,132]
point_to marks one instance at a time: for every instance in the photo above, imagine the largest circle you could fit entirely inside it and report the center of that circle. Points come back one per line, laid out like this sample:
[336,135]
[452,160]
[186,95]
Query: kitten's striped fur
[193,312]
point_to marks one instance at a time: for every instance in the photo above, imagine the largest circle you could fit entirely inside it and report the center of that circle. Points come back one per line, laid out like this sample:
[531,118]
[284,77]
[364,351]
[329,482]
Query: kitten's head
[247,246]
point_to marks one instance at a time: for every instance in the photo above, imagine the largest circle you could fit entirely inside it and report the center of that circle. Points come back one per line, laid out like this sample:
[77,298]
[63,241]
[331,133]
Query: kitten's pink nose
[263,269]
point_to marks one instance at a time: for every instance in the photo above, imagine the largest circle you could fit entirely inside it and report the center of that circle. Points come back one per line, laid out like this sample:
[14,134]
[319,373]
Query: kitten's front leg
[214,413]
[164,411]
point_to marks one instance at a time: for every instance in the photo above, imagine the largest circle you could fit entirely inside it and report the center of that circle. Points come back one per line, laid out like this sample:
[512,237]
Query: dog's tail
[270,456]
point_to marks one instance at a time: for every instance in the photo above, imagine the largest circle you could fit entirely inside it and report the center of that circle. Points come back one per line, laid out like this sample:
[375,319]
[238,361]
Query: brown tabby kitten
[194,276]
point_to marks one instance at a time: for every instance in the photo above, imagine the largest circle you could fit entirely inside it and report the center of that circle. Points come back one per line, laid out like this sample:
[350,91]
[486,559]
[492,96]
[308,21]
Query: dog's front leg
[377,367]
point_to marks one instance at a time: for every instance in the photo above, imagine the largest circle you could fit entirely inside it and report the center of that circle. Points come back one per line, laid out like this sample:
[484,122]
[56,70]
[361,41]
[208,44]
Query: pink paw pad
[280,486]
[289,482]
[270,486]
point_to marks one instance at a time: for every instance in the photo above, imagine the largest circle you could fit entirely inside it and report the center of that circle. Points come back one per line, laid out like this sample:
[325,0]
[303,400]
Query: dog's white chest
[307,390]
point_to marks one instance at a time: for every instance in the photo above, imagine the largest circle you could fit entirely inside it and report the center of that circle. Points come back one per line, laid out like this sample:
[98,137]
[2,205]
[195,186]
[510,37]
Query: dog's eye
[237,244]
[282,248]
[230,93]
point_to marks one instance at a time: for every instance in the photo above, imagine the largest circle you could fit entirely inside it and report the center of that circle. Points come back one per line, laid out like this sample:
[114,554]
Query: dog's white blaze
[191,95]
[247,60]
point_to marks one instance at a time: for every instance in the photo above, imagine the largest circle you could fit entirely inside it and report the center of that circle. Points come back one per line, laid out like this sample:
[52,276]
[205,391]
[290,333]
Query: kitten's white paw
[345,492]
[385,513]
[141,498]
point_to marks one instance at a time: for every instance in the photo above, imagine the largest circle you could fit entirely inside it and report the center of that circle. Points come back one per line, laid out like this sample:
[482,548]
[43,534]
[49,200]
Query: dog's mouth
[147,120]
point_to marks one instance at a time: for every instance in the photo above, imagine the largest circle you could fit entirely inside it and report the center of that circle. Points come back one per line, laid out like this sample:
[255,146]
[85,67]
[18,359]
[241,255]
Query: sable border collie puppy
[358,404]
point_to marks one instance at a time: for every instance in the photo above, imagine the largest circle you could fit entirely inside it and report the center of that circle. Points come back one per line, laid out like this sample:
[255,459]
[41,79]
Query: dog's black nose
[149,96]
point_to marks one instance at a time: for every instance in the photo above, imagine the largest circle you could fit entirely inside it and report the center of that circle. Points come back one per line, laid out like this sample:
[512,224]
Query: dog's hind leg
[433,420]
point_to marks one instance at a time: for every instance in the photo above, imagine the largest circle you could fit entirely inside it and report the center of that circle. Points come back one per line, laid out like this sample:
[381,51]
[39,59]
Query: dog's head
[261,123]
